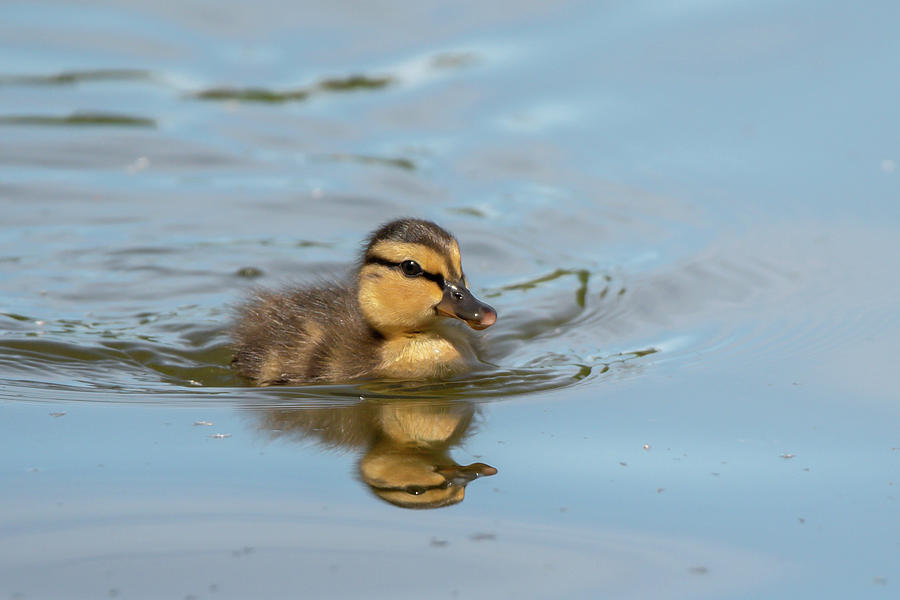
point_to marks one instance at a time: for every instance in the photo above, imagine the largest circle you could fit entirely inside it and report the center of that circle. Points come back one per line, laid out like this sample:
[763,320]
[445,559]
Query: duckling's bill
[459,303]
[462,475]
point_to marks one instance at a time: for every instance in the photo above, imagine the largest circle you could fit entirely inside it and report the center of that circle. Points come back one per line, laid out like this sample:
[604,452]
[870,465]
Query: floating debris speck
[249,272]
[140,164]
[220,436]
[203,423]
[58,414]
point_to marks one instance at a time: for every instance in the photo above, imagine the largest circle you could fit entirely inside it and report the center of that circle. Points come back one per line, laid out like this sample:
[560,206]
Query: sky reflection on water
[708,189]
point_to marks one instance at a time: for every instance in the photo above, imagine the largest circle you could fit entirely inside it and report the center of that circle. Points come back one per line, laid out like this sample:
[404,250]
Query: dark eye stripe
[415,490]
[377,260]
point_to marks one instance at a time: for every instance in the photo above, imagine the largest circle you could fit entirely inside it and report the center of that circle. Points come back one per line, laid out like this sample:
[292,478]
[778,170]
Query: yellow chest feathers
[423,355]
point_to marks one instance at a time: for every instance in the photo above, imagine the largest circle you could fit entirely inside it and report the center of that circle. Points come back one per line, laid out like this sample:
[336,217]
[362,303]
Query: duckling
[387,321]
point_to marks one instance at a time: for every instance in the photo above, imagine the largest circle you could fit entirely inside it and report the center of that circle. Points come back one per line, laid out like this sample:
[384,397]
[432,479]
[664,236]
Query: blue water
[685,213]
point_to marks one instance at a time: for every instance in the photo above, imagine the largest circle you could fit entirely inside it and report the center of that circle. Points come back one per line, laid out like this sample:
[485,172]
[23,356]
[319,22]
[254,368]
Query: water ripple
[559,328]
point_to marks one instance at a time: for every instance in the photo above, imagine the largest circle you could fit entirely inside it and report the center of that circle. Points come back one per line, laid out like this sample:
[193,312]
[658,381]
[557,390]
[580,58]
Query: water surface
[684,213]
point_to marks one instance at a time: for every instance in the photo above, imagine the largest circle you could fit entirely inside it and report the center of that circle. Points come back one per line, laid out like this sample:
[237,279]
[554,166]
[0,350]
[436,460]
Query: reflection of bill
[406,445]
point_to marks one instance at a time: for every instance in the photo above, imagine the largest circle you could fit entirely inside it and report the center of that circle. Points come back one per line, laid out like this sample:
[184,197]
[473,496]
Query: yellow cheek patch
[392,301]
[414,292]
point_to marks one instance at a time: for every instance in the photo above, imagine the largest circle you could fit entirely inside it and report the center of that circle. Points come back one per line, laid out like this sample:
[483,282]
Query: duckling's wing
[302,335]
[275,331]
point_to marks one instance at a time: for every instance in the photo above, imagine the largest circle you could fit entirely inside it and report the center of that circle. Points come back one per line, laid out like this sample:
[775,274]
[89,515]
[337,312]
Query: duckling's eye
[410,268]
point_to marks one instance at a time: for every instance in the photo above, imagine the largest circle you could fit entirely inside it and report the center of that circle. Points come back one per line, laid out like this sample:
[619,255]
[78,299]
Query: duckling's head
[411,275]
[418,478]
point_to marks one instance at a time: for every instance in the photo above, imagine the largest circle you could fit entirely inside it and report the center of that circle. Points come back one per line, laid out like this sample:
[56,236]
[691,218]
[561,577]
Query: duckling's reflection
[406,445]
